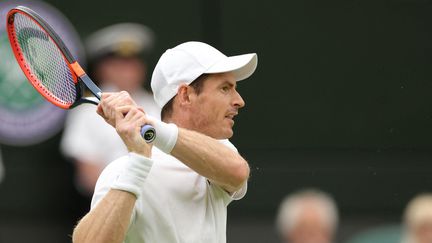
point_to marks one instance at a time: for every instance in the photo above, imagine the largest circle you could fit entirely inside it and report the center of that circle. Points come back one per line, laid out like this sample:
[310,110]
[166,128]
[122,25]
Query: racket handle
[148,133]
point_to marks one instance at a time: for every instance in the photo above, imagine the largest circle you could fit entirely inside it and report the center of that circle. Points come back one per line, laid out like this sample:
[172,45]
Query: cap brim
[242,66]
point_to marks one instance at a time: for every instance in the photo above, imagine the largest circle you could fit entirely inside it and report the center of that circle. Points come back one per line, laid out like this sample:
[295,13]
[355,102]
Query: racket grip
[148,133]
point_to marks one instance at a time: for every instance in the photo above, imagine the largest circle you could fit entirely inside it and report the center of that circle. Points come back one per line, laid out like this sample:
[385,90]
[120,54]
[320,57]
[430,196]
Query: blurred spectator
[307,216]
[117,61]
[418,220]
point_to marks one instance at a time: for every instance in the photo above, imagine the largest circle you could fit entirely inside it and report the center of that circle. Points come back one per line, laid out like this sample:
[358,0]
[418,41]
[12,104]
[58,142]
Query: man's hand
[121,112]
[129,128]
[112,101]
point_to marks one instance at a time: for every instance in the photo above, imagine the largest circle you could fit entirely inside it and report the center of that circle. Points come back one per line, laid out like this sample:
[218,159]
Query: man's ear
[186,94]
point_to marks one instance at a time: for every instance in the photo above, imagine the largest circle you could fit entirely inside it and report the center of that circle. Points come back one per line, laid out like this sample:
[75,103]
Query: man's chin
[226,134]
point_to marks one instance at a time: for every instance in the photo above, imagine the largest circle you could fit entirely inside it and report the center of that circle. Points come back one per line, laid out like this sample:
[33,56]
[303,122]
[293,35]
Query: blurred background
[340,102]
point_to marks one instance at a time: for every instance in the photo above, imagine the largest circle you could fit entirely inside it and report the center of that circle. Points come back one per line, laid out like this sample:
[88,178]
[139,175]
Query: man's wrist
[134,175]
[166,135]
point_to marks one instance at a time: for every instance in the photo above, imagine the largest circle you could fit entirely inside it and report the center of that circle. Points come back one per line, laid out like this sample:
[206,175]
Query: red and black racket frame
[79,76]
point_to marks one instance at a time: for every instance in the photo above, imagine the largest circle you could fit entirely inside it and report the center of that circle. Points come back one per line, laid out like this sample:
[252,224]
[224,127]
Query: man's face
[124,73]
[213,110]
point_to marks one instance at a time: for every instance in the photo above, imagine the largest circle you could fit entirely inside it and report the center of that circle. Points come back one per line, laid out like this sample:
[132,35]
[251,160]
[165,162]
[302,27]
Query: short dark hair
[197,85]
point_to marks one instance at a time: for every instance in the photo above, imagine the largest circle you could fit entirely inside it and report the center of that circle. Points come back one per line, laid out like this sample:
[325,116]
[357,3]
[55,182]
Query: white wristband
[133,177]
[166,135]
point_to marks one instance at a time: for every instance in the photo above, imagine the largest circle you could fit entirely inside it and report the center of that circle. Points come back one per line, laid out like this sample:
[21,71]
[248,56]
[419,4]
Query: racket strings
[44,60]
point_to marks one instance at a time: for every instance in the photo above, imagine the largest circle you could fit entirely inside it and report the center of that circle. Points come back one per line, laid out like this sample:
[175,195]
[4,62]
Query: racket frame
[80,78]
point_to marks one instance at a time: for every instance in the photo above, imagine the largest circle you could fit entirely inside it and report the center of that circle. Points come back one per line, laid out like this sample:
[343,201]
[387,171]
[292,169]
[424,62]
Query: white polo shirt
[176,203]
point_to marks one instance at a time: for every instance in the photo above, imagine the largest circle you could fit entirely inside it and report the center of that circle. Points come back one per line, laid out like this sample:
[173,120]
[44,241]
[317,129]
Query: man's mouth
[231,115]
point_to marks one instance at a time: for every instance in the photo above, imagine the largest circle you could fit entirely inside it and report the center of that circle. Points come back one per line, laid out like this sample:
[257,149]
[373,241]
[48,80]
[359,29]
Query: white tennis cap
[186,62]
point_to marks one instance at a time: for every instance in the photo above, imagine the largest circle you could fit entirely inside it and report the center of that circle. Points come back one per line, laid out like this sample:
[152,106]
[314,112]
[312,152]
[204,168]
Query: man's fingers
[141,109]
[119,117]
[124,109]
[104,105]
[129,112]
[105,95]
[99,110]
[129,121]
[118,107]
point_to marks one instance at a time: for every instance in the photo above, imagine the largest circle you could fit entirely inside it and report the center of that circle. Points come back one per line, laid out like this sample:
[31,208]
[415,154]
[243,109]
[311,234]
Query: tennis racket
[48,64]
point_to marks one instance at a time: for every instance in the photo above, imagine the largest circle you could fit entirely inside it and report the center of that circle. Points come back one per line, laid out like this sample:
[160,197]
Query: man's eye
[225,88]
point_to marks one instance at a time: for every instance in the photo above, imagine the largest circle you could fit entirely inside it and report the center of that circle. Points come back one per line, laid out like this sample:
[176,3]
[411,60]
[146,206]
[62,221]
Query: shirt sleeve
[226,196]
[104,182]
[106,179]
[239,194]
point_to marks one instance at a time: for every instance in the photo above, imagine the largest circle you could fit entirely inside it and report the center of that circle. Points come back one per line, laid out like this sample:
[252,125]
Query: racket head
[43,57]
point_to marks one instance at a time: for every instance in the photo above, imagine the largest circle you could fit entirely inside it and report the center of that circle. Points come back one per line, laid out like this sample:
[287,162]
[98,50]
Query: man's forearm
[108,221]
[211,159]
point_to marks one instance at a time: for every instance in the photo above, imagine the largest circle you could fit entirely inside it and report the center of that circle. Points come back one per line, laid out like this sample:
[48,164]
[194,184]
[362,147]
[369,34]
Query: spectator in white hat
[178,190]
[117,57]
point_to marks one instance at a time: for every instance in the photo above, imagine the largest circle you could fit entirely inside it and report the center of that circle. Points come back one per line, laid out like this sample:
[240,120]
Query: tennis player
[178,190]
